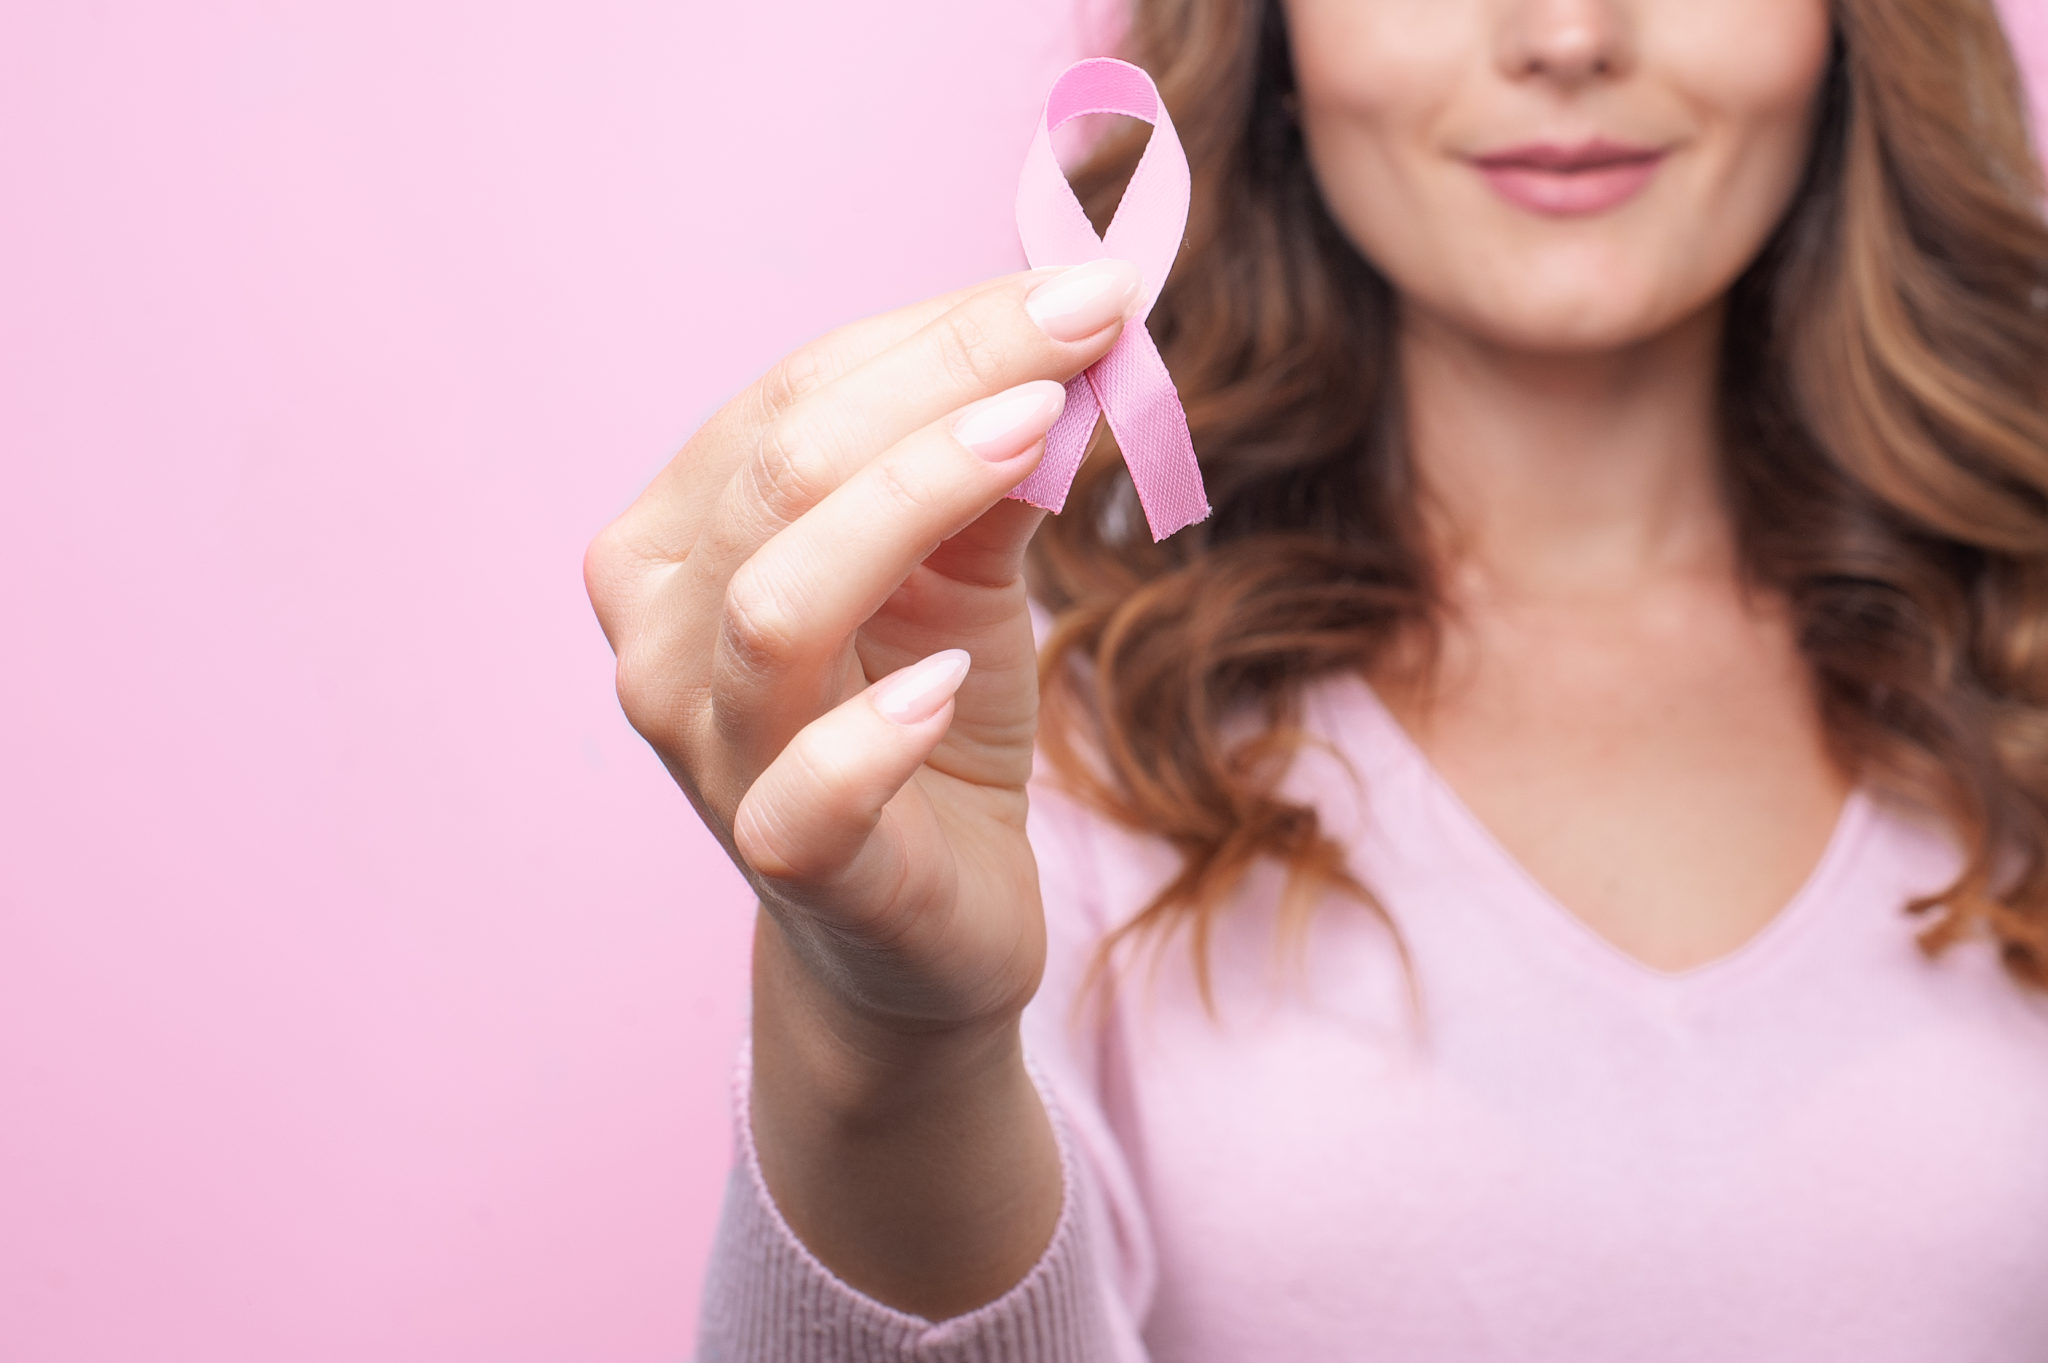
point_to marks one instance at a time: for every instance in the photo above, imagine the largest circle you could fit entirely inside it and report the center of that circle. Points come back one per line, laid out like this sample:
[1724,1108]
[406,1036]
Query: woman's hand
[771,594]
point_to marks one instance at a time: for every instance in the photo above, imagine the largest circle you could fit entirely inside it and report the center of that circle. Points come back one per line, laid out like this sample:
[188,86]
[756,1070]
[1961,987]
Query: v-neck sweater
[1822,1145]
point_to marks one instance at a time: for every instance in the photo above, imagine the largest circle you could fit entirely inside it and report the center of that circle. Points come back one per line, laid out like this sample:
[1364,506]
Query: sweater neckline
[1550,918]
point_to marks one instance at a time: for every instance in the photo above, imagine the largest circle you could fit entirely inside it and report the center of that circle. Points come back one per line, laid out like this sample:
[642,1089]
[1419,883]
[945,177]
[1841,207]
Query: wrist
[856,1066]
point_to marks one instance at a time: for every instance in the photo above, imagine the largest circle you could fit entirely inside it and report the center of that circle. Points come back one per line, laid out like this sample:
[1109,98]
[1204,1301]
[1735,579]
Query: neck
[1565,476]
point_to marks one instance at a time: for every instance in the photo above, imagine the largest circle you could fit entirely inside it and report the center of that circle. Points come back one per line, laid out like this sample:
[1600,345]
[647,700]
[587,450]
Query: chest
[1670,790]
[1853,1169]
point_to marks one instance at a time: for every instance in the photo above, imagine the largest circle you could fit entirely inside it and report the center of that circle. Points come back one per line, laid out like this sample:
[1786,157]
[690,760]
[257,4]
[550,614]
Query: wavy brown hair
[1883,412]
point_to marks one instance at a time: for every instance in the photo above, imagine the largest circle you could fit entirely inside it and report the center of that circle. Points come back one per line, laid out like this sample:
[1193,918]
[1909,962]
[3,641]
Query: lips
[1558,179]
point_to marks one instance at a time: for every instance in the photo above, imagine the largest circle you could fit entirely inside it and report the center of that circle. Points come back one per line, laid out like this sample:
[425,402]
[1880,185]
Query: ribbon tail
[1066,445]
[1144,410]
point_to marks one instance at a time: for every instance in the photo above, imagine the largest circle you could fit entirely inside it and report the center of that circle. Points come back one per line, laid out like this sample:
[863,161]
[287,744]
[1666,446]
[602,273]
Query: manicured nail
[917,692]
[1004,426]
[1075,305]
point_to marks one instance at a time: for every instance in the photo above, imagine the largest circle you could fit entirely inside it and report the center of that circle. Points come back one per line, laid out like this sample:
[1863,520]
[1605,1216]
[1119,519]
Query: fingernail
[1005,425]
[1075,305]
[917,692]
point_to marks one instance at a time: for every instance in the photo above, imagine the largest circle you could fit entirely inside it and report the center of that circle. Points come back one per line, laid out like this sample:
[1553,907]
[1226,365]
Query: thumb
[990,548]
[808,824]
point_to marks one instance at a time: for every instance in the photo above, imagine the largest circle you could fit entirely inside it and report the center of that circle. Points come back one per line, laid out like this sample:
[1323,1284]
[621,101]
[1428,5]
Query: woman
[1622,614]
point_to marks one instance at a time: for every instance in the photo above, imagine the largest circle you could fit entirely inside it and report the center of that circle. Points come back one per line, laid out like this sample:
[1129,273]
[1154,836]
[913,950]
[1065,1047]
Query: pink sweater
[1822,1146]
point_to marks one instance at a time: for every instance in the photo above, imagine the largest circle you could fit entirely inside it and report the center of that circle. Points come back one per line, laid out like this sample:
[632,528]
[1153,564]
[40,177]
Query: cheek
[1377,82]
[1751,101]
[1381,57]
[1756,56]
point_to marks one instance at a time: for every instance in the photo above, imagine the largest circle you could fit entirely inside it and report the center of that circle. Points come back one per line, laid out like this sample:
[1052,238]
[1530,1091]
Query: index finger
[665,519]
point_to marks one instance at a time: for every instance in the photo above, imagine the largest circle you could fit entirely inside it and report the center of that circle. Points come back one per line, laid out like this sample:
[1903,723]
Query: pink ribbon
[1129,385]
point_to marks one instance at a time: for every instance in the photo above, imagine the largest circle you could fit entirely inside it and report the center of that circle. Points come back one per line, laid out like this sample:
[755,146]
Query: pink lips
[1590,177]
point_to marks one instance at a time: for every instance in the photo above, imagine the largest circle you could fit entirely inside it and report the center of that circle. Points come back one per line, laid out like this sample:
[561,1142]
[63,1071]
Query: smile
[1566,181]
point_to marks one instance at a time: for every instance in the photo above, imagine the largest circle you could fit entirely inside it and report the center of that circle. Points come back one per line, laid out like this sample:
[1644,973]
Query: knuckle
[759,624]
[600,571]
[795,376]
[758,837]
[780,465]
[906,498]
[647,693]
[971,351]
[613,566]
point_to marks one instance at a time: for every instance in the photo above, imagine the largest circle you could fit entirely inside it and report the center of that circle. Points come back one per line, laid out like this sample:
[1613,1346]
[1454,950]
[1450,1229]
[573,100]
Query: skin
[1637,733]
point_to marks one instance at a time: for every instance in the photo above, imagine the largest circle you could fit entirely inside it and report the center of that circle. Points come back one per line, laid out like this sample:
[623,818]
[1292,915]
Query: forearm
[922,1171]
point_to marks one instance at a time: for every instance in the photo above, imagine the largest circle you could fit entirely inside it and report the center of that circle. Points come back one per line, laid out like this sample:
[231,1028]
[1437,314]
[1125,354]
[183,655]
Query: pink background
[367,989]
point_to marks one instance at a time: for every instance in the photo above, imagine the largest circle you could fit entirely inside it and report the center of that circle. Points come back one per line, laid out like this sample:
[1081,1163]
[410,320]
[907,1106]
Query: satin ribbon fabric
[1129,385]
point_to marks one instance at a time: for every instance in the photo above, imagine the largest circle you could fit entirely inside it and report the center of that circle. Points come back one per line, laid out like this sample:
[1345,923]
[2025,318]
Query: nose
[1566,41]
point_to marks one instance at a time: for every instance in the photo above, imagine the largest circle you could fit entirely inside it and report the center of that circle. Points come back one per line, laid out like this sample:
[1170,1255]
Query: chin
[1574,336]
[1580,299]
[1570,322]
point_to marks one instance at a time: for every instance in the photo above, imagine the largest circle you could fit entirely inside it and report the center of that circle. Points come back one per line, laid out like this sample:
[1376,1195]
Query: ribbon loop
[1129,385]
